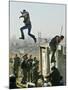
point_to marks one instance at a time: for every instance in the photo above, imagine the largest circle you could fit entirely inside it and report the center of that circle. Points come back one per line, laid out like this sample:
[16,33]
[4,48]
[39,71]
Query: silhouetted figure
[30,60]
[16,65]
[28,25]
[24,68]
[35,67]
[12,82]
[53,45]
[55,77]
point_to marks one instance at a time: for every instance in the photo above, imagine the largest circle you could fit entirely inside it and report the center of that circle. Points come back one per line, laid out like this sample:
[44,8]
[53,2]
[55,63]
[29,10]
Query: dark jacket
[30,64]
[55,77]
[53,43]
[24,64]
[16,62]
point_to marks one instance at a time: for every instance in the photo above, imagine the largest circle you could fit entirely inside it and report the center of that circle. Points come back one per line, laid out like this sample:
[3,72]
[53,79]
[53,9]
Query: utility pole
[61,30]
[39,38]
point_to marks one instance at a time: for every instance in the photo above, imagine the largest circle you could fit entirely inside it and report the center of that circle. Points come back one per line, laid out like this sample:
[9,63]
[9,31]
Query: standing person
[53,45]
[11,66]
[30,60]
[28,25]
[54,77]
[16,65]
[24,68]
[35,68]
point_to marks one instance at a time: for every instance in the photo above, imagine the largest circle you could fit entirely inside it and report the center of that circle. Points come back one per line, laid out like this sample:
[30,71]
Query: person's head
[25,56]
[34,58]
[16,55]
[24,10]
[61,37]
[30,57]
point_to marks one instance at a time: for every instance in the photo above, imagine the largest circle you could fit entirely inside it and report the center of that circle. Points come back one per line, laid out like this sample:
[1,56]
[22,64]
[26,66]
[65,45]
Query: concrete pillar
[44,60]
[62,64]
[48,61]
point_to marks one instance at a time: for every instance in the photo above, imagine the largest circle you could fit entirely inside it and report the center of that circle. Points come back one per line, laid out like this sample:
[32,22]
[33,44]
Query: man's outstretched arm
[21,16]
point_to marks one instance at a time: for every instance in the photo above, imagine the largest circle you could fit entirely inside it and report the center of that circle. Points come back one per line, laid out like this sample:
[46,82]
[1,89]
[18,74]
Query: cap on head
[24,10]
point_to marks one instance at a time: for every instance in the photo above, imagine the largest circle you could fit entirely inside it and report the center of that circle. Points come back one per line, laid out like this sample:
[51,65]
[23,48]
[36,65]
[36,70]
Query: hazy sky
[45,18]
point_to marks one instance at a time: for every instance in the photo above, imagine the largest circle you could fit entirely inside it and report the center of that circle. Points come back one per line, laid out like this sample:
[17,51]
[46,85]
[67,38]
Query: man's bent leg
[21,29]
[31,35]
[53,56]
[24,80]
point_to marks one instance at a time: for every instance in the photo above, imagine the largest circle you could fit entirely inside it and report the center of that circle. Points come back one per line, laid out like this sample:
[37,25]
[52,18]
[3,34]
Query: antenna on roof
[61,30]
